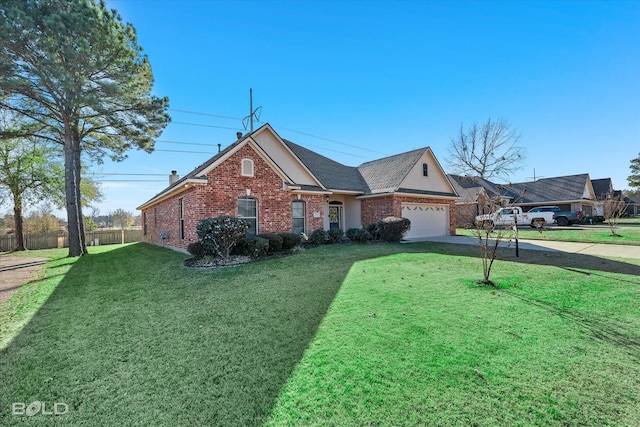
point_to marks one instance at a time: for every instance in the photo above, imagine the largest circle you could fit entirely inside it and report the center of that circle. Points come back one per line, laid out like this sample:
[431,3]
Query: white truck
[507,217]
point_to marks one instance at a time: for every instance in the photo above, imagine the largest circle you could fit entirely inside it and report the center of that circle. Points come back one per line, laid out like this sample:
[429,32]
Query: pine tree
[77,72]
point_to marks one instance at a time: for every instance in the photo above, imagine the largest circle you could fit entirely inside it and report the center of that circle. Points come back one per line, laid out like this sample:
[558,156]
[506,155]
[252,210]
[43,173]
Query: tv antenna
[534,175]
[252,113]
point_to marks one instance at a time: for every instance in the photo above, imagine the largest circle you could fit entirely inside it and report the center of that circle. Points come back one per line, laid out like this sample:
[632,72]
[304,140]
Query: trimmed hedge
[360,235]
[290,240]
[275,242]
[253,246]
[393,228]
[335,235]
[373,231]
[319,236]
[196,249]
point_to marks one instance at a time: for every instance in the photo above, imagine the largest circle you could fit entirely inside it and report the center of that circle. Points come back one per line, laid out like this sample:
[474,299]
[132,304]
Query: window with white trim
[248,210]
[181,207]
[298,215]
[247,167]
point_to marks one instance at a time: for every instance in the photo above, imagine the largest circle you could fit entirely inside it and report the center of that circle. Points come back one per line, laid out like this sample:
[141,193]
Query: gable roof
[375,177]
[385,175]
[571,187]
[332,174]
[545,190]
[602,187]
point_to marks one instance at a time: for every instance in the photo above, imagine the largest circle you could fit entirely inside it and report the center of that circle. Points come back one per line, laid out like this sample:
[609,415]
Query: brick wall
[220,197]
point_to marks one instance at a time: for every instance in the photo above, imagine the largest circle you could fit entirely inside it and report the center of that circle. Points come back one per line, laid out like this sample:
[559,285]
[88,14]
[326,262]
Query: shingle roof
[541,191]
[385,175]
[331,174]
[602,187]
[544,190]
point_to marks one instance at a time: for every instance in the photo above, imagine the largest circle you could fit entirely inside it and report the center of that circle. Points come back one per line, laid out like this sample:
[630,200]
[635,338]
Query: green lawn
[628,234]
[338,335]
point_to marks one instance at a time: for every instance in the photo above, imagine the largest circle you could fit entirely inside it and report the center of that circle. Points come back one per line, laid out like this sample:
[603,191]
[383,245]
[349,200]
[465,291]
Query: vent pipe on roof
[239,135]
[219,147]
[174,177]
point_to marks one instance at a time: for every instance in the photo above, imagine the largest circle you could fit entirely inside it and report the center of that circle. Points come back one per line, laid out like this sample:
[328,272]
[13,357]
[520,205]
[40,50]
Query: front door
[335,215]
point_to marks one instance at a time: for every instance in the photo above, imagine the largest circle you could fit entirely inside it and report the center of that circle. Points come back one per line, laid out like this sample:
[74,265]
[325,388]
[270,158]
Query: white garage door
[426,220]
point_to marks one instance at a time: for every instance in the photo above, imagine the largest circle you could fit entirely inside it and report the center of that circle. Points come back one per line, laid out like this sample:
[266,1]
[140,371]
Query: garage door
[426,220]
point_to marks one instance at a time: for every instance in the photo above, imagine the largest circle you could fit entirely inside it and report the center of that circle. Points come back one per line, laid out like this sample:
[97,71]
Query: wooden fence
[55,240]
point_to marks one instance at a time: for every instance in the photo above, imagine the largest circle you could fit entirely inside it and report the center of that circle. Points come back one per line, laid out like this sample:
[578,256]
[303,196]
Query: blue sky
[356,80]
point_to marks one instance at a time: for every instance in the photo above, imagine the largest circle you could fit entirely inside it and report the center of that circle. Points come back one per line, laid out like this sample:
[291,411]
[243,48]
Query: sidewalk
[595,249]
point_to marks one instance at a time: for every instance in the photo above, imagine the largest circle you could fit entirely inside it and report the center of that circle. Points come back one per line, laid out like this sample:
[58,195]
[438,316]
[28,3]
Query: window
[181,207]
[144,223]
[247,167]
[298,217]
[248,210]
[425,169]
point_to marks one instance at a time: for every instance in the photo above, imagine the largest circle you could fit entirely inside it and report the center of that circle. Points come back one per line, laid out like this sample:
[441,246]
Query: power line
[206,126]
[126,174]
[279,127]
[206,114]
[184,151]
[129,180]
[186,143]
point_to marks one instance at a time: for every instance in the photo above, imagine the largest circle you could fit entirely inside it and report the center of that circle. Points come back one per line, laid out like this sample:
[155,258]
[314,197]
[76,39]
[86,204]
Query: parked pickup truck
[508,216]
[562,218]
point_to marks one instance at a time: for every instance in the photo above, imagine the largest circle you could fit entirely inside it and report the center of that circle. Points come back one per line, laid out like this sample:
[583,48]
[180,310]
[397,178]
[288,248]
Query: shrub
[361,235]
[351,234]
[258,247]
[253,246]
[218,235]
[290,240]
[335,235]
[373,231]
[196,249]
[275,242]
[319,236]
[393,228]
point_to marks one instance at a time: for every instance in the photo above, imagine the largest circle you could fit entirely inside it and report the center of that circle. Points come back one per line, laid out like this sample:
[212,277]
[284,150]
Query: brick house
[279,186]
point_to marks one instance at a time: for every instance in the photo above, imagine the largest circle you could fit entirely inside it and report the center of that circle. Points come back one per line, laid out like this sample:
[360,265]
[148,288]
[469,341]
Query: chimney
[239,135]
[174,177]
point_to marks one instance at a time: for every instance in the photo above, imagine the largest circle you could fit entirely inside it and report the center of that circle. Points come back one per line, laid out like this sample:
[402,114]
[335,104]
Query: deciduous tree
[488,150]
[75,69]
[26,170]
[121,218]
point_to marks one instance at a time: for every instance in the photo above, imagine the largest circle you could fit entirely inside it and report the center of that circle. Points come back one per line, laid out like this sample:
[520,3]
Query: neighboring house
[633,205]
[279,186]
[569,193]
[603,189]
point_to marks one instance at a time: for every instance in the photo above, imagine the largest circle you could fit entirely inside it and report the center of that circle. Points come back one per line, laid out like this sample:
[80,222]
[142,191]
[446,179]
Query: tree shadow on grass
[614,270]
[130,337]
[570,261]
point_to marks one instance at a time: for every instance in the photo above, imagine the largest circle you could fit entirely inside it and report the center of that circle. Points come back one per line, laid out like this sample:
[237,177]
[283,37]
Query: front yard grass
[337,335]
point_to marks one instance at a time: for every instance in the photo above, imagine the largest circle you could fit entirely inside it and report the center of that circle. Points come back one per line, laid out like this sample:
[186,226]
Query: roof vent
[174,177]
[239,135]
